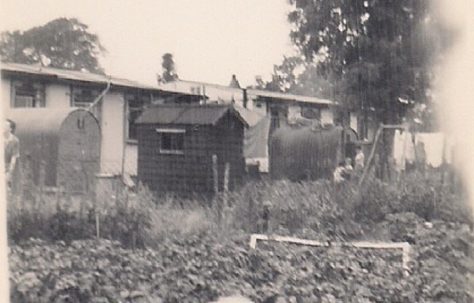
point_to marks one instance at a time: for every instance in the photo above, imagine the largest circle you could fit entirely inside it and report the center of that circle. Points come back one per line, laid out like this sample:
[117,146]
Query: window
[135,105]
[84,96]
[275,118]
[310,112]
[28,94]
[171,141]
[196,90]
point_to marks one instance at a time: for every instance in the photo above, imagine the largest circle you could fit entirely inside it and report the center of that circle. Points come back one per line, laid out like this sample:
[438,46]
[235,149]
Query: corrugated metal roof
[83,77]
[250,91]
[208,114]
[289,97]
[175,85]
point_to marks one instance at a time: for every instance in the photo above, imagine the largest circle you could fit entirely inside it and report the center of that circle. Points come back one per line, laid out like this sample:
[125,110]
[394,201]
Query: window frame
[176,136]
[37,95]
[305,108]
[141,101]
[97,110]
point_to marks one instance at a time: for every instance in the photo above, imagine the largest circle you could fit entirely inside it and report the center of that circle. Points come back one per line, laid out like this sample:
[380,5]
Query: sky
[210,39]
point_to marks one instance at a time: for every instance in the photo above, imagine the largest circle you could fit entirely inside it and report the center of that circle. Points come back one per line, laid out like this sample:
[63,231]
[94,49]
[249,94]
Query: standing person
[359,159]
[12,154]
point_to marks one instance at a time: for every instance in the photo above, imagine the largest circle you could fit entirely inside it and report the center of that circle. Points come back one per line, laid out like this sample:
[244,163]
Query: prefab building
[60,147]
[176,144]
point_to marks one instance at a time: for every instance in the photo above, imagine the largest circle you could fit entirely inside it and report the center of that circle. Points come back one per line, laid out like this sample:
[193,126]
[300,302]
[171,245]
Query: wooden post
[225,196]
[58,197]
[226,181]
[374,145]
[97,225]
[215,175]
[371,155]
[42,177]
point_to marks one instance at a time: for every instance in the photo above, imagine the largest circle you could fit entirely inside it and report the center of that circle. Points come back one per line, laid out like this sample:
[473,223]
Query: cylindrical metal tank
[304,153]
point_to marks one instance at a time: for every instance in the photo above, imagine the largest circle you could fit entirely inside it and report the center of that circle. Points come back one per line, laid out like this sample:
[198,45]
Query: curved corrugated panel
[301,153]
[39,131]
[44,121]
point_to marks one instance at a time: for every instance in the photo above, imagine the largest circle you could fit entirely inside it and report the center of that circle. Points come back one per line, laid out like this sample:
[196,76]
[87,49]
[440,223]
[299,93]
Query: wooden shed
[65,142]
[176,144]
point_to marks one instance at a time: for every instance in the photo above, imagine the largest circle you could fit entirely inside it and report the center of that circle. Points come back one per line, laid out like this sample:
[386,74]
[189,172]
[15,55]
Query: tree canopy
[169,70]
[61,43]
[373,56]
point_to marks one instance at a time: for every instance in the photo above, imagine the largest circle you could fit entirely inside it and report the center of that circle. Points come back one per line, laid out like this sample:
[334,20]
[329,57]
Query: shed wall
[192,170]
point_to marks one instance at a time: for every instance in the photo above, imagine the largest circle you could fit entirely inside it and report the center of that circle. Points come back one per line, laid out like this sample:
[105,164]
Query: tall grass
[314,209]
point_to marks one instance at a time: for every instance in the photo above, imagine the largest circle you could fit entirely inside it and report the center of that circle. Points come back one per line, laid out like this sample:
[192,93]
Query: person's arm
[16,154]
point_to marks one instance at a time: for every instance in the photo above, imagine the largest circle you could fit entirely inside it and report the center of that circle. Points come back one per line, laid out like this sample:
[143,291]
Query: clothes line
[426,147]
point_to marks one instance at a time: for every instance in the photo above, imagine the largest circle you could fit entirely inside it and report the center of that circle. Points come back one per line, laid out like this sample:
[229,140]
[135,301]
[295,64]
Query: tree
[61,43]
[370,54]
[296,76]
[169,70]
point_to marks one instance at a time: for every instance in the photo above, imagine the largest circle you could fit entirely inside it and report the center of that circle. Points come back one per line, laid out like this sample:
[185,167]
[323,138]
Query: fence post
[226,181]
[41,183]
[97,225]
[215,177]
[215,174]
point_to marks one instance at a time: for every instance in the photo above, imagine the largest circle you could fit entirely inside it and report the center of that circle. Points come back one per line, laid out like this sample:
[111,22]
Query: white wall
[112,126]
[327,116]
[213,92]
[294,112]
[251,105]
[131,159]
[224,94]
[58,96]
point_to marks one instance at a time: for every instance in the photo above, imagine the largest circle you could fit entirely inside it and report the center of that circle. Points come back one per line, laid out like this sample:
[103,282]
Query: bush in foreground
[201,269]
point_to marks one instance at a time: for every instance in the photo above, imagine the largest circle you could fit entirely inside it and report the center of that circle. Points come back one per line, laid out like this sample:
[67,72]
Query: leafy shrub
[68,226]
[424,195]
[295,208]
[374,201]
[127,218]
[199,269]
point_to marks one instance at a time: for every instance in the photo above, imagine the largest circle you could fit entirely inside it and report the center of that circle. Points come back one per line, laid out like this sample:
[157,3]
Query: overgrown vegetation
[195,254]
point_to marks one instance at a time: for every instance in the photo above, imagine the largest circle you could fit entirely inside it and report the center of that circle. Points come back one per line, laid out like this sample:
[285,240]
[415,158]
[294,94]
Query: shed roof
[204,114]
